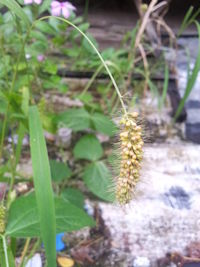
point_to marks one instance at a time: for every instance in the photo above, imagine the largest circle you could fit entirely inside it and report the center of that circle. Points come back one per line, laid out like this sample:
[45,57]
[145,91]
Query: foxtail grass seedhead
[2,218]
[131,147]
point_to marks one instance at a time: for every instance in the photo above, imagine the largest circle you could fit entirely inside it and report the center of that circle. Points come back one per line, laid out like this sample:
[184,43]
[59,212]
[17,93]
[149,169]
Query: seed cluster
[2,218]
[131,156]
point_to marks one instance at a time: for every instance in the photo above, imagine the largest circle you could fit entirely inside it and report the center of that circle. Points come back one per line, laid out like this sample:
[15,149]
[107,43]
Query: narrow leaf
[185,20]
[43,188]
[45,27]
[15,7]
[11,260]
[44,6]
[165,87]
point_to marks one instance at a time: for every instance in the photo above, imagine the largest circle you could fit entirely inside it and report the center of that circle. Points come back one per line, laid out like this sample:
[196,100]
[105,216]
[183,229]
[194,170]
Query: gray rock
[141,262]
[192,132]
[35,261]
[192,105]
[63,137]
[152,227]
[177,198]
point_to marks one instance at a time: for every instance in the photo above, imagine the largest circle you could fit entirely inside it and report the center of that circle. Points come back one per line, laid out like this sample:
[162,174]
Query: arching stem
[96,51]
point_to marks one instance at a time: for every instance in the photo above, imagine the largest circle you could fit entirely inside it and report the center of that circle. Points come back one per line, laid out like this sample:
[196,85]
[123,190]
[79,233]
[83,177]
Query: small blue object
[89,209]
[60,245]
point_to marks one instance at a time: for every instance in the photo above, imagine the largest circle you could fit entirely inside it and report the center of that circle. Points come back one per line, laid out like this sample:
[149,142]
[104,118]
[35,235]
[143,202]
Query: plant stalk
[5,250]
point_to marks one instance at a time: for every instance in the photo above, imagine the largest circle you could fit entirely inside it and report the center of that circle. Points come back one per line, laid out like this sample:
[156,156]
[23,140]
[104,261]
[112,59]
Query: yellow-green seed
[2,218]
[131,155]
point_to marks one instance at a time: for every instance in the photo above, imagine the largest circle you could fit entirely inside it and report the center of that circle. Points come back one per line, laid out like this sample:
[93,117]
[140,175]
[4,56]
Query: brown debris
[89,251]
[178,259]
[193,250]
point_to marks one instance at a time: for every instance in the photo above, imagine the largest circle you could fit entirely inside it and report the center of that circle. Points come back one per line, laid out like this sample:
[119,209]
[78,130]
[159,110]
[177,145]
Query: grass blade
[191,80]
[194,16]
[43,188]
[44,6]
[165,87]
[185,20]
[15,7]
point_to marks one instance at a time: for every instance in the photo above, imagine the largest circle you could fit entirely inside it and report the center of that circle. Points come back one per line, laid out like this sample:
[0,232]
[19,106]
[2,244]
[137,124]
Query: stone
[192,131]
[192,105]
[35,261]
[152,225]
[177,198]
[63,137]
[141,262]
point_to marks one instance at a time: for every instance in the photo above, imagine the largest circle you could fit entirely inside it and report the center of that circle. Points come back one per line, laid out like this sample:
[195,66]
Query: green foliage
[16,9]
[165,87]
[42,184]
[103,124]
[73,196]
[81,119]
[189,18]
[98,179]
[11,260]
[88,147]
[59,171]
[45,27]
[23,219]
[76,119]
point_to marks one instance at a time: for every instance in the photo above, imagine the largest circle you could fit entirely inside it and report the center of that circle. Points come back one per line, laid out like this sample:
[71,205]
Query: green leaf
[11,259]
[59,171]
[50,67]
[25,100]
[74,196]
[3,106]
[98,179]
[15,7]
[88,147]
[87,46]
[21,133]
[51,82]
[70,218]
[45,27]
[165,88]
[44,6]
[80,119]
[38,35]
[76,119]
[103,124]
[42,184]
[38,47]
[23,218]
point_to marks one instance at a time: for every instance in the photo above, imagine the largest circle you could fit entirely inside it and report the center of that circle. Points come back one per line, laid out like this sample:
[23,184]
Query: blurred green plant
[189,18]
[27,71]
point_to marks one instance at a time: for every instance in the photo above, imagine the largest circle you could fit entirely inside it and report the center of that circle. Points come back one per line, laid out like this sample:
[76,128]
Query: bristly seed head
[131,156]
[2,218]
